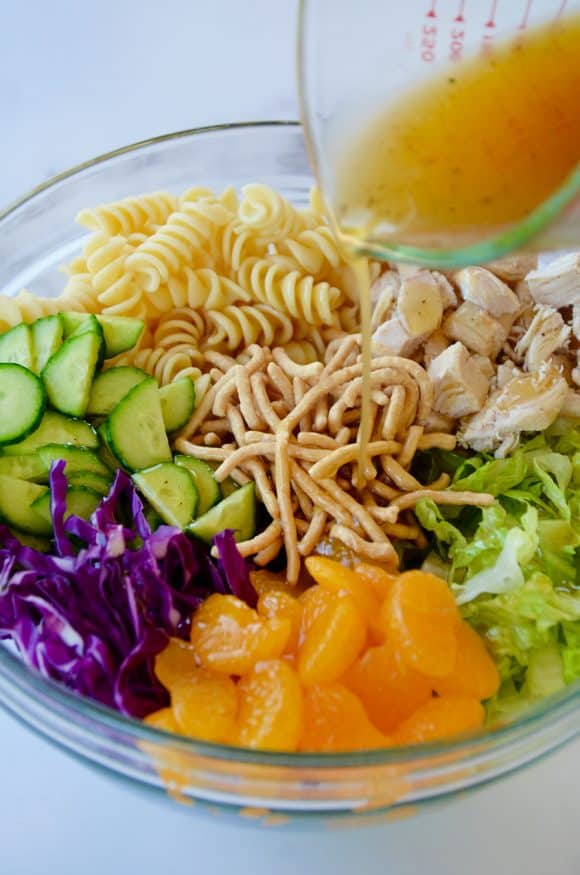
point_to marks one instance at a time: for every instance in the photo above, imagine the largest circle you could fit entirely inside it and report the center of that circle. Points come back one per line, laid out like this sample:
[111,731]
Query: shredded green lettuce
[515,566]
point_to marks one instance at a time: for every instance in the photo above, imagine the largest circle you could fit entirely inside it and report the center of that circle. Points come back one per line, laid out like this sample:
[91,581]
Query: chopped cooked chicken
[506,372]
[558,283]
[571,405]
[437,422]
[383,292]
[475,328]
[576,372]
[547,333]
[419,304]
[434,345]
[525,313]
[448,296]
[460,386]
[513,268]
[528,402]
[481,287]
[576,321]
[391,338]
[483,364]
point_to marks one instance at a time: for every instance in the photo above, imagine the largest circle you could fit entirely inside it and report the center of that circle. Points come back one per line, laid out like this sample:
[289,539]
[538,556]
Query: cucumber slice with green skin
[16,346]
[54,428]
[205,482]
[120,332]
[228,486]
[105,454]
[22,403]
[111,386]
[47,334]
[153,518]
[135,430]
[237,512]
[68,376]
[80,501]
[16,500]
[76,458]
[177,403]
[90,480]
[24,468]
[92,325]
[170,490]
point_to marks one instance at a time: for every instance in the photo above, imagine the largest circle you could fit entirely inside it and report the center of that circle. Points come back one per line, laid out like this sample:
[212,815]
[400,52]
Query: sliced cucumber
[90,480]
[16,346]
[68,376]
[91,325]
[177,403]
[47,334]
[24,468]
[105,454]
[153,518]
[80,501]
[111,386]
[205,482]
[16,499]
[228,486]
[76,458]
[22,403]
[120,332]
[171,492]
[237,512]
[135,431]
[54,428]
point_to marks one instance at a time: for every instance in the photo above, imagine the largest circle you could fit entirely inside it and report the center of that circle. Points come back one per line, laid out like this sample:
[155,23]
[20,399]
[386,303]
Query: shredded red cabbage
[94,617]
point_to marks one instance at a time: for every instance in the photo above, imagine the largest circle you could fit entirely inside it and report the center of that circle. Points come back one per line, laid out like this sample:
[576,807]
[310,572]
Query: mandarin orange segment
[229,637]
[271,708]
[313,602]
[205,706]
[335,578]
[419,618]
[332,643]
[162,719]
[441,718]
[265,581]
[474,673]
[389,690]
[176,662]
[380,580]
[335,720]
[279,605]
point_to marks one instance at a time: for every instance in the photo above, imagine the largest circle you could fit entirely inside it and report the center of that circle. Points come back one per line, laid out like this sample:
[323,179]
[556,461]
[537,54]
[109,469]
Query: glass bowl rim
[541,716]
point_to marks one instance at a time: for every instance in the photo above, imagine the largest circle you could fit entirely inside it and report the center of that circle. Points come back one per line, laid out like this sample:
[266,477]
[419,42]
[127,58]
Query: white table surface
[77,79]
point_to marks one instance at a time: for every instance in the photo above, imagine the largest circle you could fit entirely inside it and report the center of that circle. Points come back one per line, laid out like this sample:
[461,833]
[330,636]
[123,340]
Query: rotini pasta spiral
[303,352]
[269,214]
[79,294]
[237,242]
[24,307]
[203,288]
[234,328]
[119,292]
[270,281]
[186,236]
[179,326]
[315,250]
[165,365]
[130,214]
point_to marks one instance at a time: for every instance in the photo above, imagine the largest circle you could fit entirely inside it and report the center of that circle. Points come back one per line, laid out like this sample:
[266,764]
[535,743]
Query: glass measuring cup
[358,59]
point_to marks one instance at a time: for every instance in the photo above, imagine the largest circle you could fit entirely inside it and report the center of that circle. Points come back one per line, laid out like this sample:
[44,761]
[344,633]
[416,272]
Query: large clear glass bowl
[37,236]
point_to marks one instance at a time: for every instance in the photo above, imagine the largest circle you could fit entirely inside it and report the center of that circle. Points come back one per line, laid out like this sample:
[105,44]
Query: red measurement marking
[491,20]
[526,15]
[460,15]
[560,11]
[432,12]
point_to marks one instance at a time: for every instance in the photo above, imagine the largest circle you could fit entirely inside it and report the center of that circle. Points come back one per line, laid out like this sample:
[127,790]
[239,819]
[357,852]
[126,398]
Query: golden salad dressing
[464,156]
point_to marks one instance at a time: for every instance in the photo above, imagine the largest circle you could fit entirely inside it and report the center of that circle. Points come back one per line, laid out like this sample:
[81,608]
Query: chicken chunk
[383,292]
[571,405]
[557,283]
[391,338]
[576,321]
[419,304]
[481,287]
[512,268]
[446,290]
[527,402]
[460,386]
[475,328]
[547,333]
[434,346]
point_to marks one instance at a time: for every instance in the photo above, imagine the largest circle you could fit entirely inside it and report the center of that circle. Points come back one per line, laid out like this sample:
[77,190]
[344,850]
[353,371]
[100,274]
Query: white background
[76,79]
